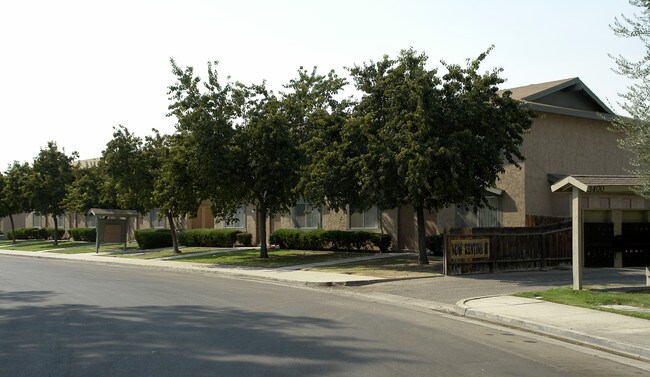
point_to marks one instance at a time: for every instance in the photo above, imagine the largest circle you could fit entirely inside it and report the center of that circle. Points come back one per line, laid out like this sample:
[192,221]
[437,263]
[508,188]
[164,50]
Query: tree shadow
[65,339]
[26,296]
[555,277]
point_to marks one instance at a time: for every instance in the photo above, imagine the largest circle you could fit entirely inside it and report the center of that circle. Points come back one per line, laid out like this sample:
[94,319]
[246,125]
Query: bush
[48,233]
[24,234]
[83,234]
[381,241]
[435,244]
[153,238]
[209,237]
[329,240]
[244,239]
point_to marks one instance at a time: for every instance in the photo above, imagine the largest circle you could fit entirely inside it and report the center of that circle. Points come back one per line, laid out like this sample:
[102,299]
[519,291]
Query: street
[62,318]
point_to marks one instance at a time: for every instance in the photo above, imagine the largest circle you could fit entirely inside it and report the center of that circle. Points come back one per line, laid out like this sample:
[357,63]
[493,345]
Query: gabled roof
[605,183]
[568,97]
[113,213]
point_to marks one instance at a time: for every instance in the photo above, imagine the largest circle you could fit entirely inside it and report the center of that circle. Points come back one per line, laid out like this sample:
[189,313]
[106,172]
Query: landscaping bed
[597,299]
[402,266]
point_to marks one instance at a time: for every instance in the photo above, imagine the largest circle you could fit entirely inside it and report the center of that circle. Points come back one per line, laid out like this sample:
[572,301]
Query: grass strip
[403,266]
[277,258]
[594,299]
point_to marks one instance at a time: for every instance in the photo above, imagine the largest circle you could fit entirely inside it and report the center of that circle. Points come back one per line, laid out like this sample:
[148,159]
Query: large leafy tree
[419,139]
[205,112]
[152,174]
[636,100]
[14,197]
[90,189]
[266,154]
[51,175]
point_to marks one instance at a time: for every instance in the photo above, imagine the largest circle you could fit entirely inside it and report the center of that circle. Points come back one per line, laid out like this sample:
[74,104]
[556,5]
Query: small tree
[89,189]
[14,193]
[152,175]
[636,101]
[51,175]
[267,155]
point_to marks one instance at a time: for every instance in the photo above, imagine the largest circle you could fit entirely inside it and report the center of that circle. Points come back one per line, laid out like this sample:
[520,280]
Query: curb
[571,336]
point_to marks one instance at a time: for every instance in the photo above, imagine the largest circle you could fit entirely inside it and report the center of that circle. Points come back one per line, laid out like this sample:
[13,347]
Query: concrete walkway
[616,333]
[610,332]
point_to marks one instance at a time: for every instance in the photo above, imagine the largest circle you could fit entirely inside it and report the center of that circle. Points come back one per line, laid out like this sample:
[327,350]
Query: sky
[73,70]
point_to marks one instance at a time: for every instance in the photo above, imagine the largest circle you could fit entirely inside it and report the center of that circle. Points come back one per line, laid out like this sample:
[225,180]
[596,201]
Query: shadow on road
[88,340]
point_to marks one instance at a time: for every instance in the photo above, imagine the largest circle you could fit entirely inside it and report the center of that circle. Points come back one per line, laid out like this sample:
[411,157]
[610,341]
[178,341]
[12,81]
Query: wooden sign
[469,249]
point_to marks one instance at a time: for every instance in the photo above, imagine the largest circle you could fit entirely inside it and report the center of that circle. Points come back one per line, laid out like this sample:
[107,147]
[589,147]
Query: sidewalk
[310,278]
[610,332]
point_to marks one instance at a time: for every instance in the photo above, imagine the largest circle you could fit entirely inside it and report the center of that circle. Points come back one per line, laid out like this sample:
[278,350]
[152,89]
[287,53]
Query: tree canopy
[14,193]
[636,100]
[420,139]
[50,178]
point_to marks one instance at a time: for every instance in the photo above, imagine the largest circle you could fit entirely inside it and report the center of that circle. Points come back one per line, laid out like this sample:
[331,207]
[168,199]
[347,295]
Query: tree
[51,175]
[422,140]
[205,126]
[267,154]
[152,174]
[90,189]
[13,193]
[636,101]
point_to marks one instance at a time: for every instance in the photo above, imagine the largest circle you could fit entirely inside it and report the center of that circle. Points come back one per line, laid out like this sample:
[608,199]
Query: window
[304,215]
[239,219]
[91,221]
[368,219]
[154,220]
[483,217]
[37,220]
[60,220]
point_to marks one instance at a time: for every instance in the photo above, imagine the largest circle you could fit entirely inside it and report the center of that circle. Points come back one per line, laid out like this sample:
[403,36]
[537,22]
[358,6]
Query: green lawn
[277,258]
[593,299]
[403,266]
[6,243]
[166,253]
[44,245]
[90,248]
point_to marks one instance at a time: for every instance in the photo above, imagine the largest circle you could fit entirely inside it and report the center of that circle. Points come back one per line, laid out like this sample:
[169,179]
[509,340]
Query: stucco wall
[513,200]
[565,145]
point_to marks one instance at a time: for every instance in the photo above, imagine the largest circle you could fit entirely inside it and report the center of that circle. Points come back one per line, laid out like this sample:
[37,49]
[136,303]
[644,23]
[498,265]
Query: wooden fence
[484,250]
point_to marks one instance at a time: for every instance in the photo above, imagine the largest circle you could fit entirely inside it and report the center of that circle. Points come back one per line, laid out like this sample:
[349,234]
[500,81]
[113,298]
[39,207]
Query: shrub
[209,237]
[83,234]
[319,239]
[245,239]
[381,241]
[435,244]
[48,233]
[153,238]
[24,234]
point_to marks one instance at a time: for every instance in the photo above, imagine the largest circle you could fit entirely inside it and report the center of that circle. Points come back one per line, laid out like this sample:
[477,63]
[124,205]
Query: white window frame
[154,221]
[305,214]
[236,225]
[365,226]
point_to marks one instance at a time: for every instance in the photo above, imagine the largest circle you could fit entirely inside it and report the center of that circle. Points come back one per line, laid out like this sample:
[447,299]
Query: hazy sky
[71,70]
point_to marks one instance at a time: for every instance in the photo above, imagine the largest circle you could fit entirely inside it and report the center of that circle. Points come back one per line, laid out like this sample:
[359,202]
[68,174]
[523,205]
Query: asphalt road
[61,318]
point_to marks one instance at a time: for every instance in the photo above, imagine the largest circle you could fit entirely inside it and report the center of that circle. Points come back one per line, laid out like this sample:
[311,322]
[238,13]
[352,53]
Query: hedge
[209,237]
[329,240]
[435,244]
[36,233]
[245,239]
[83,234]
[153,238]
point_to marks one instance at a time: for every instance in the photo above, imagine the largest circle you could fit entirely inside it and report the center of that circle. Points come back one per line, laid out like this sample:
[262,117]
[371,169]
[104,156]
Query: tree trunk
[56,230]
[261,212]
[422,237]
[172,227]
[13,229]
